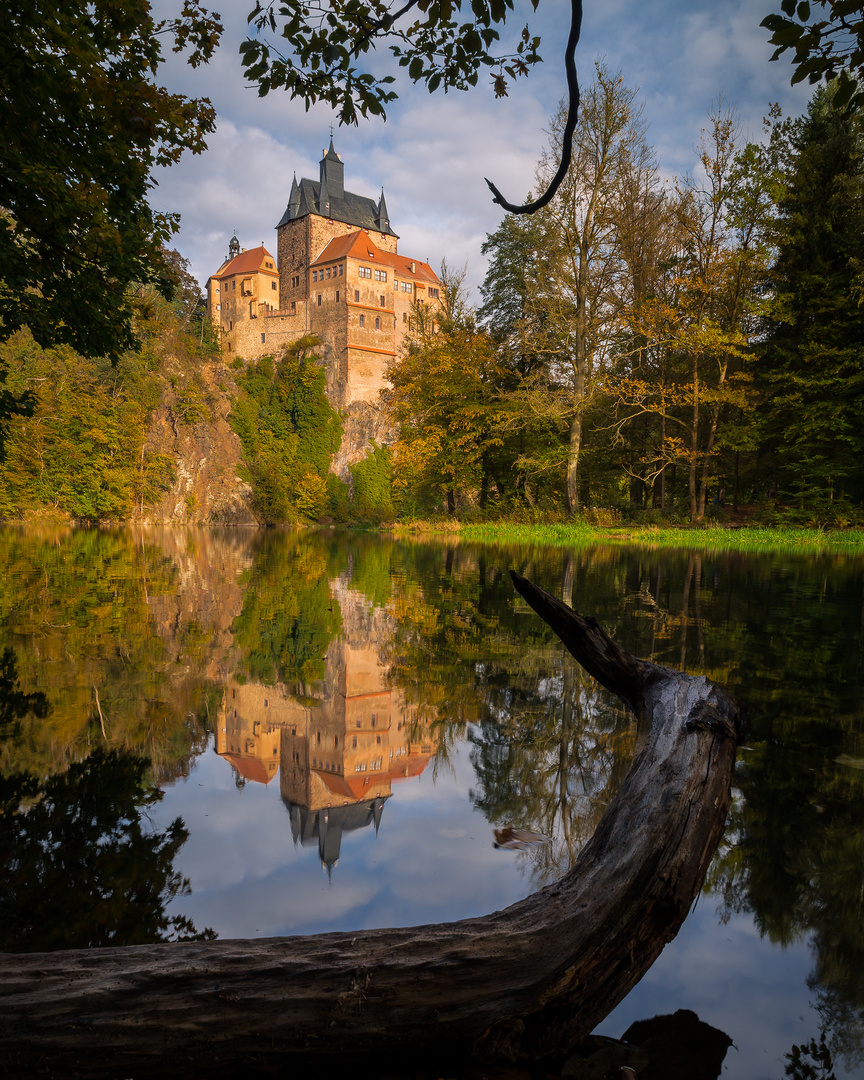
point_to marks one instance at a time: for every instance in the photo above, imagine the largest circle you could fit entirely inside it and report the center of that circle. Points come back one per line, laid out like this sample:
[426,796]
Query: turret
[332,175]
[382,218]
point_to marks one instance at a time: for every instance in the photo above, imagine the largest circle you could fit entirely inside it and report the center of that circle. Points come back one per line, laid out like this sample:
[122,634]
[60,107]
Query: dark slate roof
[352,209]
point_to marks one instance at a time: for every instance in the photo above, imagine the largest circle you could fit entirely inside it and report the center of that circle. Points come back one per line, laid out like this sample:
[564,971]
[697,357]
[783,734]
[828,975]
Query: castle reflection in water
[337,753]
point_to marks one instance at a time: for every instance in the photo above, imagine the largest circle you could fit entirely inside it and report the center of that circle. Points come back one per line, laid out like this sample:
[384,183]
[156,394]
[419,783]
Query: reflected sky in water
[341,722]
[430,860]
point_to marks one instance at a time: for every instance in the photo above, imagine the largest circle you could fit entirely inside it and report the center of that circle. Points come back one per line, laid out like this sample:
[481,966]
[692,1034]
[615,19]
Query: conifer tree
[811,364]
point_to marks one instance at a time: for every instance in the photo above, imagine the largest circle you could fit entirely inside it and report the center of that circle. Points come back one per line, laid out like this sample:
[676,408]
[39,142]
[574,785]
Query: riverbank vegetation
[670,352]
[74,433]
[646,355]
[716,538]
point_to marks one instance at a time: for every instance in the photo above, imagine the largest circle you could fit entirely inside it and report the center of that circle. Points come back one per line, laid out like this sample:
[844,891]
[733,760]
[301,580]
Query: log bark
[524,983]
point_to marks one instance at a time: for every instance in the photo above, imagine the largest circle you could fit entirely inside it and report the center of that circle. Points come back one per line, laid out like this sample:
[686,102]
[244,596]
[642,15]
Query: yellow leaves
[310,495]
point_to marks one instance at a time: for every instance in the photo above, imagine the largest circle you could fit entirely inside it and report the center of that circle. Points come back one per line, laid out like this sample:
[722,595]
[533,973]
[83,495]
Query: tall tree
[700,313]
[810,364]
[573,296]
[442,396]
[83,124]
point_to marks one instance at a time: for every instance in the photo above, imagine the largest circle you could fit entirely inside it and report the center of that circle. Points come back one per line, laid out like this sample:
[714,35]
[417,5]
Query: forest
[674,349]
[646,349]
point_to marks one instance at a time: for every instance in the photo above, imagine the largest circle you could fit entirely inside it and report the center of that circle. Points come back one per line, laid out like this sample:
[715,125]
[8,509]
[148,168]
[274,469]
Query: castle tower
[338,275]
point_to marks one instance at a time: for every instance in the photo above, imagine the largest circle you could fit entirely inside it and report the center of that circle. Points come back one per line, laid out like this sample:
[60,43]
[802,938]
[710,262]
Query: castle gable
[253,261]
[359,245]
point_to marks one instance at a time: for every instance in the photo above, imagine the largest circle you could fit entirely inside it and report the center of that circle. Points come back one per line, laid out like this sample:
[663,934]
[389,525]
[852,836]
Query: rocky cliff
[190,428]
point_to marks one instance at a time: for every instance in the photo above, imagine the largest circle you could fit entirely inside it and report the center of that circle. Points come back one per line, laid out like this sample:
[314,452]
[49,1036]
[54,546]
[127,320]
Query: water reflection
[345,664]
[340,746]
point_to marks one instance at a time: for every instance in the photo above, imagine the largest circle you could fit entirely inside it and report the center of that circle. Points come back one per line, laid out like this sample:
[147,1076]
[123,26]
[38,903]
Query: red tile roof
[359,245]
[248,262]
[250,768]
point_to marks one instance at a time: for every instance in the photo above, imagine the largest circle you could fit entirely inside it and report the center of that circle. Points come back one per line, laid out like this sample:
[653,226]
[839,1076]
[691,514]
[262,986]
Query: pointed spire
[323,194]
[382,218]
[332,175]
[377,810]
[294,198]
[233,246]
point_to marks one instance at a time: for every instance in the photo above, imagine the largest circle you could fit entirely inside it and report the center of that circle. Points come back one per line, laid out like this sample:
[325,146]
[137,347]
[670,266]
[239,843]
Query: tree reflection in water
[78,866]
[160,630]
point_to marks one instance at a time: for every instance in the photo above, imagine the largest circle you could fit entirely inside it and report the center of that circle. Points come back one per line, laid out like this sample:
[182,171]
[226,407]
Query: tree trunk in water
[451,502]
[523,984]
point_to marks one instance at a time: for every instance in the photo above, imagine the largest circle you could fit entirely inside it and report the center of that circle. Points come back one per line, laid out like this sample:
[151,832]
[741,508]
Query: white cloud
[432,154]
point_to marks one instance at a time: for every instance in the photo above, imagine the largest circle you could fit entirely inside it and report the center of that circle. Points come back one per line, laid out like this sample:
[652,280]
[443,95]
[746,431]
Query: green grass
[709,538]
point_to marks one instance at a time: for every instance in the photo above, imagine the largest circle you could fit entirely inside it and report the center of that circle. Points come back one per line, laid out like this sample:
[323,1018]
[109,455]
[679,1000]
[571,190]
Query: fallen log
[525,983]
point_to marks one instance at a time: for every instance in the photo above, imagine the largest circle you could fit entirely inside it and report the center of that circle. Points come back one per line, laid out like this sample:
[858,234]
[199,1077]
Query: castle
[338,275]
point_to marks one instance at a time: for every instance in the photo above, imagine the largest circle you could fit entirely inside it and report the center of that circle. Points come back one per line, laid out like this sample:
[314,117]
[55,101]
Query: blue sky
[433,151]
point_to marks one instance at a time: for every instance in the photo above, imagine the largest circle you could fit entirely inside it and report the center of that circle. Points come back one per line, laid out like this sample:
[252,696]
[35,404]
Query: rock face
[362,424]
[190,428]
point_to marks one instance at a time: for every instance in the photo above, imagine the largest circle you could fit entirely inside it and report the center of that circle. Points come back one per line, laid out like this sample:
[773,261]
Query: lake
[251,733]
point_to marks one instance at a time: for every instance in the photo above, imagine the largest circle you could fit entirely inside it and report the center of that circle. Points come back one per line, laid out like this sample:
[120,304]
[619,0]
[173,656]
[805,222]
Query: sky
[433,151]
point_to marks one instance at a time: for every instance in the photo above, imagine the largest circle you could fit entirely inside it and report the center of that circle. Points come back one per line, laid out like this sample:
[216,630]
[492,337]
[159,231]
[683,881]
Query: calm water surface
[250,733]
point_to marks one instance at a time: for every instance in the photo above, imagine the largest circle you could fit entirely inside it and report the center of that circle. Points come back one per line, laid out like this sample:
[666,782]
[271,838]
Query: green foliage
[444,396]
[289,617]
[319,45]
[83,124]
[826,48]
[289,433]
[80,867]
[85,661]
[81,451]
[372,478]
[810,367]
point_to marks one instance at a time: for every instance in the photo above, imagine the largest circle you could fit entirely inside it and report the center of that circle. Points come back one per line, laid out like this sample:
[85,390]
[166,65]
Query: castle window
[319,299]
[293,305]
[362,320]
[314,275]
[230,324]
[272,284]
[382,300]
[406,286]
[380,275]
[328,272]
[364,271]
[233,284]
[340,269]
[229,346]
[354,743]
[263,338]
[404,316]
[337,296]
[356,296]
[433,293]
[377,324]
[395,283]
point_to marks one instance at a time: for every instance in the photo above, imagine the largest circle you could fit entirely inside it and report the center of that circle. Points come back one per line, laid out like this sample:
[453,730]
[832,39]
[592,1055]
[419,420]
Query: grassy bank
[748,538]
